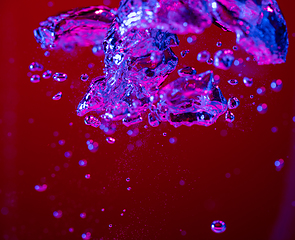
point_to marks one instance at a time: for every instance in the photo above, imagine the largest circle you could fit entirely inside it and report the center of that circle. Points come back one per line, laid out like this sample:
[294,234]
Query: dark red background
[255,201]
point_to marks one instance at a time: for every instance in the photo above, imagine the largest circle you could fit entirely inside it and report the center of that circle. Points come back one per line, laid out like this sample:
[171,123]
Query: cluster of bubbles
[135,70]
[137,41]
[92,146]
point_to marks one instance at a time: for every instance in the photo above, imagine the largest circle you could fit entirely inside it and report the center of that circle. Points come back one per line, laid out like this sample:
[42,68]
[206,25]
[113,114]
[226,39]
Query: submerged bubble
[210,61]
[229,116]
[86,235]
[192,39]
[233,102]
[92,121]
[47,74]
[57,214]
[84,77]
[35,79]
[92,146]
[248,81]
[110,140]
[262,108]
[87,176]
[36,66]
[187,72]
[233,82]
[41,188]
[261,90]
[279,164]
[57,96]
[98,50]
[203,56]
[83,163]
[218,226]
[153,120]
[60,77]
[223,59]
[184,52]
[276,85]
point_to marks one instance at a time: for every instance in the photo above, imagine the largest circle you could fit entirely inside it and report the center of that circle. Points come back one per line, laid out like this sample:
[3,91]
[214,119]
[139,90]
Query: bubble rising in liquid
[110,140]
[229,116]
[57,96]
[84,77]
[248,81]
[35,79]
[233,82]
[35,66]
[187,72]
[223,59]
[60,77]
[41,188]
[233,102]
[276,85]
[203,56]
[218,226]
[47,74]
[92,121]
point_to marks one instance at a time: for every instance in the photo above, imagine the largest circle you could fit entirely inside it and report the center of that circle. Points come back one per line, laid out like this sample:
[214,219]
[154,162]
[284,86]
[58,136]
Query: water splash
[137,41]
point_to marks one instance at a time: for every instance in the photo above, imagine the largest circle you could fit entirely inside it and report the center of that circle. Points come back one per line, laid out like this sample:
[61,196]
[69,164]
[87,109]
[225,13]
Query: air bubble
[233,82]
[229,116]
[219,44]
[248,81]
[86,236]
[60,77]
[218,226]
[223,59]
[110,140]
[36,67]
[153,120]
[262,108]
[92,121]
[187,72]
[210,61]
[47,74]
[277,85]
[83,163]
[57,96]
[279,164]
[84,77]
[261,90]
[184,52]
[87,176]
[41,188]
[35,79]
[57,214]
[233,103]
[203,56]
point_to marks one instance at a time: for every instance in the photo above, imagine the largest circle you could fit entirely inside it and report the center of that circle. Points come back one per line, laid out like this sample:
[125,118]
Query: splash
[137,41]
